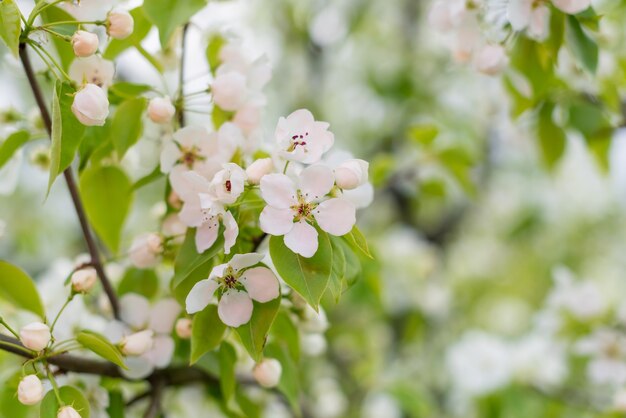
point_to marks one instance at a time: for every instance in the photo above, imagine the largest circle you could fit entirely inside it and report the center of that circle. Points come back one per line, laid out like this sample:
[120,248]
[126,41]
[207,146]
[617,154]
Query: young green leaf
[228,359]
[289,383]
[10,26]
[116,404]
[140,281]
[18,288]
[551,137]
[207,332]
[99,345]
[307,276]
[285,330]
[337,275]
[168,15]
[70,397]
[254,334]
[127,126]
[584,49]
[214,46]
[11,145]
[357,240]
[64,49]
[107,195]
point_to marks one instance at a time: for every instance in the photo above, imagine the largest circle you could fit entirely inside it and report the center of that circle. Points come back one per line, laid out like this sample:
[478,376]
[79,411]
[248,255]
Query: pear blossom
[91,105]
[84,43]
[491,59]
[267,372]
[247,118]
[138,343]
[229,90]
[607,349]
[444,15]
[183,328]
[35,336]
[119,23]
[30,390]
[236,283]
[572,6]
[94,69]
[258,169]
[68,412]
[146,250]
[294,208]
[351,174]
[303,139]
[83,280]
[530,15]
[161,110]
[227,184]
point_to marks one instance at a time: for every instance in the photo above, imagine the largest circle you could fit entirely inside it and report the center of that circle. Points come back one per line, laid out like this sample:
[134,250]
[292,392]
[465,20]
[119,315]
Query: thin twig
[154,408]
[71,185]
[181,81]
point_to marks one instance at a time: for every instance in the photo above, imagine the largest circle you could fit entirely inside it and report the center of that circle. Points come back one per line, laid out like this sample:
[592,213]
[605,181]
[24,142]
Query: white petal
[276,221]
[302,239]
[200,295]
[240,261]
[336,216]
[235,308]
[169,156]
[163,315]
[218,271]
[361,197]
[134,310]
[278,190]
[191,213]
[261,284]
[519,12]
[316,181]
[138,368]
[206,236]
[231,231]
[160,355]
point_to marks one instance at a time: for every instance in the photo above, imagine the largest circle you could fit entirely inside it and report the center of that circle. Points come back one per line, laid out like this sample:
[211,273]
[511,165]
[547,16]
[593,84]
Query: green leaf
[206,333]
[337,275]
[124,90]
[220,116]
[228,359]
[141,29]
[155,175]
[12,144]
[140,281]
[96,145]
[168,15]
[357,240]
[107,195]
[99,345]
[289,383]
[423,134]
[286,331]
[19,289]
[67,131]
[307,276]
[552,139]
[116,404]
[127,126]
[64,49]
[216,42]
[70,397]
[253,335]
[584,49]
[10,26]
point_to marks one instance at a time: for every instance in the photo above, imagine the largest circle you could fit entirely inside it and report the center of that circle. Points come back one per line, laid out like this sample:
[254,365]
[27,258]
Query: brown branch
[71,185]
[180,109]
[154,408]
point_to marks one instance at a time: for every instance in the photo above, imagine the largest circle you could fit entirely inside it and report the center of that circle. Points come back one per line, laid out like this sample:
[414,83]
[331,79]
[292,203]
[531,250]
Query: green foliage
[10,25]
[107,196]
[289,383]
[127,126]
[206,333]
[168,15]
[64,49]
[124,90]
[141,281]
[116,404]
[67,131]
[17,288]
[99,345]
[70,397]
[357,240]
[11,145]
[583,47]
[551,137]
[228,360]
[214,46]
[253,335]
[307,276]
[423,134]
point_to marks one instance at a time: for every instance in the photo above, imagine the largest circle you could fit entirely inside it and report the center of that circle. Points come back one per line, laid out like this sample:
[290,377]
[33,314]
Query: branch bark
[71,185]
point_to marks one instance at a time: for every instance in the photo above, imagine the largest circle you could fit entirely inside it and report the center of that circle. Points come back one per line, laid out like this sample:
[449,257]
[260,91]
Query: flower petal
[231,231]
[278,190]
[261,284]
[336,216]
[169,156]
[160,355]
[302,239]
[134,310]
[200,295]
[206,235]
[240,261]
[276,221]
[316,181]
[218,271]
[163,315]
[235,308]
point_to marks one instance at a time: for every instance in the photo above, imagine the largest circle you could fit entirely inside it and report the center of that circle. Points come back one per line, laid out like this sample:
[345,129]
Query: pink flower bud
[258,169]
[267,372]
[119,23]
[229,90]
[68,412]
[138,343]
[91,105]
[183,328]
[84,43]
[145,250]
[30,390]
[161,110]
[491,59]
[351,174]
[35,336]
[83,280]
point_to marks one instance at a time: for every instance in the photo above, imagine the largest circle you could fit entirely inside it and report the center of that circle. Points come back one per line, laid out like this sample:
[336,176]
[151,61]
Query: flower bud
[267,372]
[83,280]
[30,390]
[572,6]
[138,343]
[161,110]
[84,43]
[119,23]
[35,336]
[351,174]
[491,59]
[258,169]
[145,250]
[229,90]
[91,105]
[183,328]
[68,412]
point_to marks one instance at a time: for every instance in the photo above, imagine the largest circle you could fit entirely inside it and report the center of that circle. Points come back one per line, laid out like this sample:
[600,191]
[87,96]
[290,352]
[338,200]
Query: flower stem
[69,299]
[11,330]
[286,165]
[36,46]
[55,387]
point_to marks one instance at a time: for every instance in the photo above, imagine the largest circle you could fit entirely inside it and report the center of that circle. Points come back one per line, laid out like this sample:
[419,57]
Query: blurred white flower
[146,249]
[267,372]
[161,110]
[581,298]
[607,351]
[301,138]
[530,15]
[94,70]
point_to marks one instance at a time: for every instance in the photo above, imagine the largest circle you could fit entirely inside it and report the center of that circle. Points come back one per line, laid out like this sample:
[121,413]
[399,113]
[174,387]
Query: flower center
[230,281]
[303,209]
[298,140]
[190,156]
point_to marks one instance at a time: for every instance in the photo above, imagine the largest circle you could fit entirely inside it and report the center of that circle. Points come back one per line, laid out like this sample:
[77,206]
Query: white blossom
[30,390]
[267,372]
[35,336]
[301,138]
[94,70]
[91,105]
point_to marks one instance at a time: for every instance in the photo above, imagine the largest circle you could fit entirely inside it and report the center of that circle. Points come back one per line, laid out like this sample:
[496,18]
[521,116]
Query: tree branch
[154,408]
[180,109]
[71,185]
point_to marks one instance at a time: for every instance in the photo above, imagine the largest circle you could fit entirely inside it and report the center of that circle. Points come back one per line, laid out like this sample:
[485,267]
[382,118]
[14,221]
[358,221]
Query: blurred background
[498,284]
